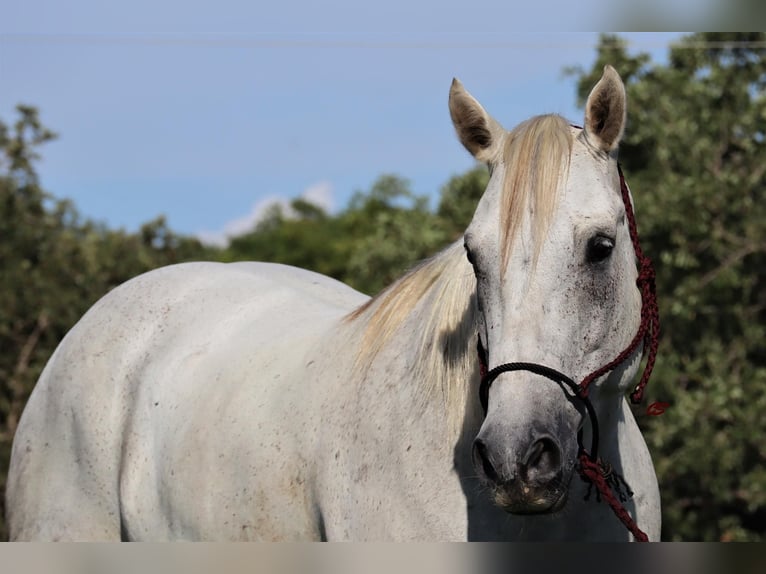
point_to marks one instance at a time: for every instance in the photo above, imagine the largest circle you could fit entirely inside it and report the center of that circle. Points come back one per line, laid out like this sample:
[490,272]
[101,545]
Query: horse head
[556,274]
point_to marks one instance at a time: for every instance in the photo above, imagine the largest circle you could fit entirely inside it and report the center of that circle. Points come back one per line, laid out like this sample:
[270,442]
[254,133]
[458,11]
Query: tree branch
[15,382]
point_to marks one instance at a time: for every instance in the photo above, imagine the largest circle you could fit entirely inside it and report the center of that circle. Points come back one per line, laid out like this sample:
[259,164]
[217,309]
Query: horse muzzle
[536,481]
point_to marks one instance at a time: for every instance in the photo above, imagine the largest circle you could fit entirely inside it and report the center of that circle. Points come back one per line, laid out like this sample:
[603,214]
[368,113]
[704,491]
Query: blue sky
[207,112]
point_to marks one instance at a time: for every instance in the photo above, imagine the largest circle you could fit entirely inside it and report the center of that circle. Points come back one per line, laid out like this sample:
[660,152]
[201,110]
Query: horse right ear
[478,132]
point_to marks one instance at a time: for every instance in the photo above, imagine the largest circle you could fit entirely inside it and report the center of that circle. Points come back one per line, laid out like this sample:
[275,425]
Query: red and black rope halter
[609,485]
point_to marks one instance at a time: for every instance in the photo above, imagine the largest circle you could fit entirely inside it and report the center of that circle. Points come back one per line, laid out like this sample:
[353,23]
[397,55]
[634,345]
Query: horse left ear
[606,111]
[478,131]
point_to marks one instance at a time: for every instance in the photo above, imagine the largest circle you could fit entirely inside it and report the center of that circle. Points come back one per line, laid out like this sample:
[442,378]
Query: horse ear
[605,111]
[478,132]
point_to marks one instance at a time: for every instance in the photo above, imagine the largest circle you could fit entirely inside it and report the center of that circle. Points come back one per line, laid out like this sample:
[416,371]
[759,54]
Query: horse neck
[419,334]
[615,419]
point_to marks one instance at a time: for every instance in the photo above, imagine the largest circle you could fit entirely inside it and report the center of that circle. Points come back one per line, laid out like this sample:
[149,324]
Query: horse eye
[599,248]
[469,255]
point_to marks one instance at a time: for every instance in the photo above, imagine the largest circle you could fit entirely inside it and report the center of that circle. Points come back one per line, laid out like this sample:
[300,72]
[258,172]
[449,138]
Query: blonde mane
[445,289]
[442,288]
[536,155]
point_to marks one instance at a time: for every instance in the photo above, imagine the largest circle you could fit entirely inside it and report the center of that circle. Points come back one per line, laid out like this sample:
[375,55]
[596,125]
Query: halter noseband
[592,469]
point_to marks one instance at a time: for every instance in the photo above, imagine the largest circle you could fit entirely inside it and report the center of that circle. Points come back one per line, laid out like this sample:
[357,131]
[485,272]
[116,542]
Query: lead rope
[610,486]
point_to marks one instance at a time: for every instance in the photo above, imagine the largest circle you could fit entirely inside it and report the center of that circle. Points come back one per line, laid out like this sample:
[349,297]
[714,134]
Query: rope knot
[611,487]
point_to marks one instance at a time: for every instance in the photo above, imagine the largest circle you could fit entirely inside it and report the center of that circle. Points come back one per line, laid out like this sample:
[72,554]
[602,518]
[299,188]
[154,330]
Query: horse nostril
[542,461]
[481,455]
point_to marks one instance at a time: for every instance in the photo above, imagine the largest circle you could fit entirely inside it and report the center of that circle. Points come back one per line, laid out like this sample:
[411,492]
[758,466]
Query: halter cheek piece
[593,470]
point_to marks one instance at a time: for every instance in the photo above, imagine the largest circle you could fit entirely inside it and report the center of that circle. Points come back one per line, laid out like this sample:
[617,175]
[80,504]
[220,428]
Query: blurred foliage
[694,157]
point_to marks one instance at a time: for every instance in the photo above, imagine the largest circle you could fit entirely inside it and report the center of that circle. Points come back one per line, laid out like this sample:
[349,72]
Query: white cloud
[320,194]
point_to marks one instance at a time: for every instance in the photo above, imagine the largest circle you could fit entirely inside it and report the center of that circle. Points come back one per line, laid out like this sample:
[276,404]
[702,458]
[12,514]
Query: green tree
[305,237]
[459,198]
[695,157]
[22,323]
[394,229]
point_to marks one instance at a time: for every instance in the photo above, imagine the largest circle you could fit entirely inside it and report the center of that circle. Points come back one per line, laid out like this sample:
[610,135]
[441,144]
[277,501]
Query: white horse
[253,401]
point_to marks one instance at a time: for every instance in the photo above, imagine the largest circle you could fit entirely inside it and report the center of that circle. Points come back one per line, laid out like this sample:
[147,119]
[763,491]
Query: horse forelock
[439,296]
[536,157]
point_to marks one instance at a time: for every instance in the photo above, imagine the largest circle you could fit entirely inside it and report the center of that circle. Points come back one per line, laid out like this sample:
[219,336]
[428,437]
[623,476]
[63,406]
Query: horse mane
[444,286]
[536,155]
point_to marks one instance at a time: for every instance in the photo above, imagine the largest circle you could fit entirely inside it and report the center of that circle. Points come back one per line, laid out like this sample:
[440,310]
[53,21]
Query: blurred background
[121,151]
